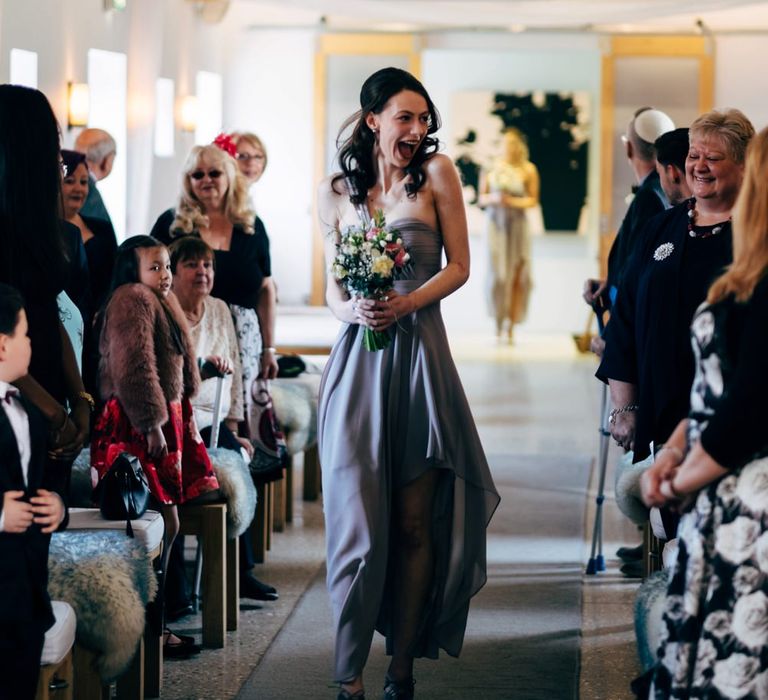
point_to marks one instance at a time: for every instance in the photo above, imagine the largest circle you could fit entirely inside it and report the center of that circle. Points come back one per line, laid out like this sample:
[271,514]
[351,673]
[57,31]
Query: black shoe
[251,587]
[177,613]
[628,554]
[398,690]
[633,569]
[182,649]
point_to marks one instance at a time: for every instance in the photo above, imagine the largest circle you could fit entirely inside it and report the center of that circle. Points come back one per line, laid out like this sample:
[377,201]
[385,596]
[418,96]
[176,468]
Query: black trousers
[177,589]
[21,646]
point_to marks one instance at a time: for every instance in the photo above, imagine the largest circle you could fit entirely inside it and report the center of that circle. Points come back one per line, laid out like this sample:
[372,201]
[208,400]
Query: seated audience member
[29,512]
[214,340]
[714,468]
[97,234]
[100,150]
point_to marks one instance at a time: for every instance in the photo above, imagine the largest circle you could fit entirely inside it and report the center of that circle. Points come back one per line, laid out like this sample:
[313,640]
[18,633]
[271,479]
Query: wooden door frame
[700,48]
[345,45]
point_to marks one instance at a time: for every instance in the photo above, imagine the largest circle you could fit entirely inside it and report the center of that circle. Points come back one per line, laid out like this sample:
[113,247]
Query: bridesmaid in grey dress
[407,490]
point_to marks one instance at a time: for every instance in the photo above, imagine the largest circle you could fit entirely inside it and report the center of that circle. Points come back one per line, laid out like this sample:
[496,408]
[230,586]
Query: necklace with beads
[693,232]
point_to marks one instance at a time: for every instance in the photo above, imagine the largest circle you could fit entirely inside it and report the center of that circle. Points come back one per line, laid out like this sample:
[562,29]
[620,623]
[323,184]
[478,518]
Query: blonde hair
[750,229]
[731,127]
[524,153]
[248,137]
[189,211]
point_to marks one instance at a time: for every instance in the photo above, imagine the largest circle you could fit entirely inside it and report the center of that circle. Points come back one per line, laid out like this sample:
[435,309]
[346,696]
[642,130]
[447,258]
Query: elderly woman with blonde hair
[715,468]
[213,206]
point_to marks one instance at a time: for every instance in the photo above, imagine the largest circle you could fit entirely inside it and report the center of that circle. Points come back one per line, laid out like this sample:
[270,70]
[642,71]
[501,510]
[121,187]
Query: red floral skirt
[183,474]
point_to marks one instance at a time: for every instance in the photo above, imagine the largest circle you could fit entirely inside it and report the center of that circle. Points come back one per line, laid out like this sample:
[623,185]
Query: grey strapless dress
[384,419]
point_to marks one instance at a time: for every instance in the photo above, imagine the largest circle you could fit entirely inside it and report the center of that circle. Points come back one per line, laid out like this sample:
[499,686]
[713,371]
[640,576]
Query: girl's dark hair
[11,304]
[355,154]
[126,269]
[33,255]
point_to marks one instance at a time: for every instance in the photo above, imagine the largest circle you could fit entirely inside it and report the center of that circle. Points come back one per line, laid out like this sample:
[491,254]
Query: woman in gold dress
[507,190]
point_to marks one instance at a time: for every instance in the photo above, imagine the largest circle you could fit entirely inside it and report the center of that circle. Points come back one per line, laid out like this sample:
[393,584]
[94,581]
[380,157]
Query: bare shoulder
[440,166]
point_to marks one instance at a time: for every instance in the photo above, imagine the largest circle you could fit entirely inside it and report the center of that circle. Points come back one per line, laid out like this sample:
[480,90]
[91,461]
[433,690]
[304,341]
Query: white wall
[269,91]
[738,82]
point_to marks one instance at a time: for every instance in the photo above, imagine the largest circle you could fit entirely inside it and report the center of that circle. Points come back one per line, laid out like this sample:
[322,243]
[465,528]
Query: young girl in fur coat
[147,374]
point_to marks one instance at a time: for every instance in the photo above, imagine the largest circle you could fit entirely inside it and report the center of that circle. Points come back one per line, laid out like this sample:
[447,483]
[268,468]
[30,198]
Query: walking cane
[596,559]
[213,442]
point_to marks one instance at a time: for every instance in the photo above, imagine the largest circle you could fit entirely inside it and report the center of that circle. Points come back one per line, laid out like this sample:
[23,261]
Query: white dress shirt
[19,421]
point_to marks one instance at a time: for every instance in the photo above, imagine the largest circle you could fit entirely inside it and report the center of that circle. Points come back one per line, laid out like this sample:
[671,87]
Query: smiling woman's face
[209,183]
[400,127]
[711,171]
[74,190]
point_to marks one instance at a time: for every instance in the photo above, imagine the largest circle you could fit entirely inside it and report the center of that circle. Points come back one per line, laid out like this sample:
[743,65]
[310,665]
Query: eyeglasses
[249,156]
[200,174]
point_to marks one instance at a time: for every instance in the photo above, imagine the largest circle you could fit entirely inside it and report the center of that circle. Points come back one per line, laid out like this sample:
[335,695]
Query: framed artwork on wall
[556,128]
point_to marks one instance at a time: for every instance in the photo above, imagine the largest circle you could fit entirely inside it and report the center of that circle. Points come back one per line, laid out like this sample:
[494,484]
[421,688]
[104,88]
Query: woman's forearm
[622,393]
[266,311]
[698,470]
[72,378]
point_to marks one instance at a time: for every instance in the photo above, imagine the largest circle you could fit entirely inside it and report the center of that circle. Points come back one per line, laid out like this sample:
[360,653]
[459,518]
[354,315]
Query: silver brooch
[663,251]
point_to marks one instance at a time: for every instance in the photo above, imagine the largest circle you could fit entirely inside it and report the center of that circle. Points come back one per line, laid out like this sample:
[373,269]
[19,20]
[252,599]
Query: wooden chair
[221,562]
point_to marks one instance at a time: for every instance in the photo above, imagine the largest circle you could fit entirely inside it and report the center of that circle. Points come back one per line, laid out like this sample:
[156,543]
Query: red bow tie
[11,393]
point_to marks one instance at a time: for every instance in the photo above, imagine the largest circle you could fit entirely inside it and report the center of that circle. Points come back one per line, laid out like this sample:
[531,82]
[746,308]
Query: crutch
[596,559]
[212,443]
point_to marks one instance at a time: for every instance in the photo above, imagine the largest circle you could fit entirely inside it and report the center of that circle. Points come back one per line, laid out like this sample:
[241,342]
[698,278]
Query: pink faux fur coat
[139,364]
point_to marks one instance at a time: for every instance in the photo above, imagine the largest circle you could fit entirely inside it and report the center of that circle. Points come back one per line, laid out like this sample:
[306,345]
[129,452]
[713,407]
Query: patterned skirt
[715,627]
[183,474]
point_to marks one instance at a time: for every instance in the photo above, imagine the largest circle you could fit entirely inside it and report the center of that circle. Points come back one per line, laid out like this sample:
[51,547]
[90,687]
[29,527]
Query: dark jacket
[649,200]
[24,557]
[647,340]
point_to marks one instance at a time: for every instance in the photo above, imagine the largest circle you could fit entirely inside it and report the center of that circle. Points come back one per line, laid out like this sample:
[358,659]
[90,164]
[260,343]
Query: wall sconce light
[188,113]
[78,102]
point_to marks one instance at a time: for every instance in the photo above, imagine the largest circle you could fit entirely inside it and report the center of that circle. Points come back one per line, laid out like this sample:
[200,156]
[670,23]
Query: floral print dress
[715,626]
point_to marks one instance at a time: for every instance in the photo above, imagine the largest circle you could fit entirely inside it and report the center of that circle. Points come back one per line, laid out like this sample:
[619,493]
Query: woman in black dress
[715,630]
[97,235]
[34,259]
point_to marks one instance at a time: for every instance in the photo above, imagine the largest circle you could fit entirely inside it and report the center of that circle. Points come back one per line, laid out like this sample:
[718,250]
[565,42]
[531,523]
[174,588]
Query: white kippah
[651,124]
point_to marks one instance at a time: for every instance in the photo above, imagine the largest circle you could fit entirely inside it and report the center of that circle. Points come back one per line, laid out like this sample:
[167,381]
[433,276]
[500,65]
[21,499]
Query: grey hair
[99,150]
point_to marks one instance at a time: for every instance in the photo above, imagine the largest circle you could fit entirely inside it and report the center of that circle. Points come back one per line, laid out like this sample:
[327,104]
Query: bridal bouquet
[367,259]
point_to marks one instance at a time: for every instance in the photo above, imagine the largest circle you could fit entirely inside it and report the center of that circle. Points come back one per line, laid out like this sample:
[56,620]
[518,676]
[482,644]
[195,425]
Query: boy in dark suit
[29,513]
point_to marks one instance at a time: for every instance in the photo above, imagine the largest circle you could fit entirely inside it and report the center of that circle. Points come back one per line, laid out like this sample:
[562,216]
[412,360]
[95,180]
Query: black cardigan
[647,340]
[240,270]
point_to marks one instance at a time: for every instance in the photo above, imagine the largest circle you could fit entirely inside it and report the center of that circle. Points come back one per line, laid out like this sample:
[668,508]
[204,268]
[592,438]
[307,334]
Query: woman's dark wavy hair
[355,154]
[31,239]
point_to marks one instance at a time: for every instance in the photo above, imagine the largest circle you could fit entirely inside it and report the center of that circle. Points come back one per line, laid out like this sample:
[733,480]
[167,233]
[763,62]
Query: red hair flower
[226,144]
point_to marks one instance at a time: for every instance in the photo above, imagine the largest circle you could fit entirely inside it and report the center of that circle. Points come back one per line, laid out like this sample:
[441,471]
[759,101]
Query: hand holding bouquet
[367,259]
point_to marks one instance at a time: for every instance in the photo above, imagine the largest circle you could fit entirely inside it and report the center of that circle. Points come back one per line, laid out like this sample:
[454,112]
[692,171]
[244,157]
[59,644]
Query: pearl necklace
[693,233]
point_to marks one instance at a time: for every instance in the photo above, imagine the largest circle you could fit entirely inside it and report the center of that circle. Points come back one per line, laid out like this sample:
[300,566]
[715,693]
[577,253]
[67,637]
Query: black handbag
[123,493]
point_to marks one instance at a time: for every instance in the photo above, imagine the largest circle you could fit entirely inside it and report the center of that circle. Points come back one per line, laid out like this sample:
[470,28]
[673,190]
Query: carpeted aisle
[522,638]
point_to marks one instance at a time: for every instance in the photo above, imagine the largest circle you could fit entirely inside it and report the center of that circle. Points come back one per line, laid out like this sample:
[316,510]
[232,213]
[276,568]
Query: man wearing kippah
[649,199]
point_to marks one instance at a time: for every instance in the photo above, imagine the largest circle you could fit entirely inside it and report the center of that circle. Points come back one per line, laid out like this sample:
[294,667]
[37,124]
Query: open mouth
[407,149]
